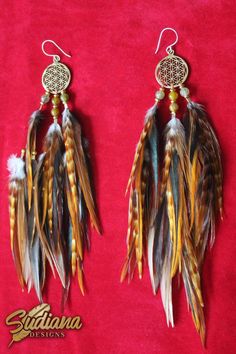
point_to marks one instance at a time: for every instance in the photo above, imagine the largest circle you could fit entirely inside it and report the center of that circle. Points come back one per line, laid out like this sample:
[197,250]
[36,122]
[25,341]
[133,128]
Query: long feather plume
[78,192]
[143,185]
[73,141]
[174,184]
[49,227]
[36,252]
[31,150]
[206,177]
[166,240]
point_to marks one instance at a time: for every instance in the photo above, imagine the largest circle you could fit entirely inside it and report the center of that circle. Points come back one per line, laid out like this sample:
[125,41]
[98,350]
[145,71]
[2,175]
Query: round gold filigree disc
[171,71]
[56,78]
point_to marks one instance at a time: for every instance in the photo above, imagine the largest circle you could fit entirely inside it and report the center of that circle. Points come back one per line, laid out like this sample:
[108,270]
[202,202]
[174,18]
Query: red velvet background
[112,45]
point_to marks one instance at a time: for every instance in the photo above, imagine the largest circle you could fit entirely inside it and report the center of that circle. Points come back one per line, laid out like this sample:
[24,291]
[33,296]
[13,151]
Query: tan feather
[12,212]
[132,236]
[166,169]
[21,224]
[172,225]
[80,276]
[31,151]
[72,194]
[52,145]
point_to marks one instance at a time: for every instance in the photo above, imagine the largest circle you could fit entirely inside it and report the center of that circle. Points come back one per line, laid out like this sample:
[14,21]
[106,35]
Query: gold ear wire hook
[169,49]
[55,56]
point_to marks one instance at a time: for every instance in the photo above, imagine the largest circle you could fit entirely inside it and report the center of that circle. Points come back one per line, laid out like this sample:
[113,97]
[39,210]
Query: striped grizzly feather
[143,185]
[174,187]
[192,283]
[75,156]
[53,196]
[206,177]
[169,230]
[78,192]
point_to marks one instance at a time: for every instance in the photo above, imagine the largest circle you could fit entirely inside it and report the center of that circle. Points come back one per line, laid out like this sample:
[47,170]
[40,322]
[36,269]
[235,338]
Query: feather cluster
[50,199]
[173,206]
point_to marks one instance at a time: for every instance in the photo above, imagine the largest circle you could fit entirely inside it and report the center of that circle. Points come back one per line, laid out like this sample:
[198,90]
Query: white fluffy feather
[16,167]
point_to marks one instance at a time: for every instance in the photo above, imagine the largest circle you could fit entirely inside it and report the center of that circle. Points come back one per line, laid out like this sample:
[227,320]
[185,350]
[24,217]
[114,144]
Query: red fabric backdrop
[112,45]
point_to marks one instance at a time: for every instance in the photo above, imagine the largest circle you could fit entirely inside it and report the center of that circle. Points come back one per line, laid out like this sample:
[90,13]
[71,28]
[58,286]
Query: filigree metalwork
[172,71]
[56,78]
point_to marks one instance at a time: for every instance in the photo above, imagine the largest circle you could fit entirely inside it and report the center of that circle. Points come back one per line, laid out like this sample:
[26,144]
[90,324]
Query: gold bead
[56,100]
[174,107]
[55,112]
[64,97]
[173,95]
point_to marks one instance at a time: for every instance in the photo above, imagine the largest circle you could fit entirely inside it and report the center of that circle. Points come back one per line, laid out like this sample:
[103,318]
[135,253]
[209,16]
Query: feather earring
[173,215]
[51,196]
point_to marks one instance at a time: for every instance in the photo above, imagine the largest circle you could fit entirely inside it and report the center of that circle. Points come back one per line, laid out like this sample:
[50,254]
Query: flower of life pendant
[172,71]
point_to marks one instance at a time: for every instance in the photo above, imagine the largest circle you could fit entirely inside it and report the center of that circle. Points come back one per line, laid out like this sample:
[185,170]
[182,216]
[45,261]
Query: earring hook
[169,49]
[55,56]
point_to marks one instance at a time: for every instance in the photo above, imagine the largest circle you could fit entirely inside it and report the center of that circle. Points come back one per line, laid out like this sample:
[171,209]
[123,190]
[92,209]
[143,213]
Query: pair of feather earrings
[50,194]
[175,196]
[171,214]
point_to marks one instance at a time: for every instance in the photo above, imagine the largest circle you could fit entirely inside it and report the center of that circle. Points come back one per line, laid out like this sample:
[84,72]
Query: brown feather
[193,287]
[82,172]
[146,129]
[206,178]
[37,212]
[138,215]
